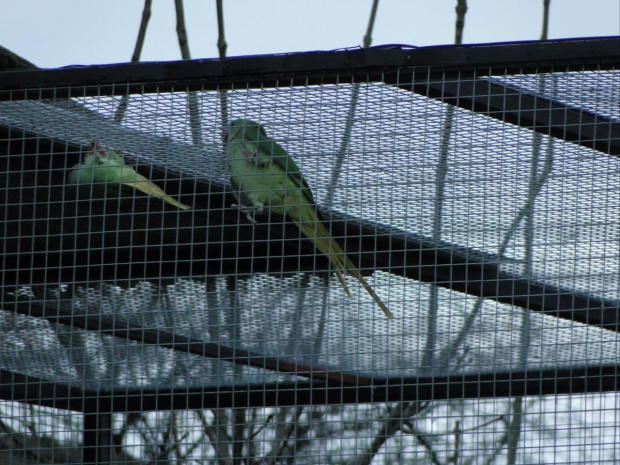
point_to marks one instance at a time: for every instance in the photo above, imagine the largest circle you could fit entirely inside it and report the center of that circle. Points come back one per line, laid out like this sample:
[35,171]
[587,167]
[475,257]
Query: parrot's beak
[93,148]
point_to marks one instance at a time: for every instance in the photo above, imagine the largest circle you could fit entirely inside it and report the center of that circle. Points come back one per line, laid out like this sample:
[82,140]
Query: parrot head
[97,156]
[244,129]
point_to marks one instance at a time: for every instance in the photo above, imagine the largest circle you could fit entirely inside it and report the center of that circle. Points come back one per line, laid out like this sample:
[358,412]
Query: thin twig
[428,446]
[146,16]
[371,24]
[514,431]
[397,415]
[288,431]
[429,357]
[181,31]
[221,47]
[461,10]
[503,440]
[545,26]
[475,428]
[137,51]
[430,347]
[192,98]
[458,433]
[263,426]
[221,40]
[278,435]
[447,354]
[217,441]
[346,136]
[238,428]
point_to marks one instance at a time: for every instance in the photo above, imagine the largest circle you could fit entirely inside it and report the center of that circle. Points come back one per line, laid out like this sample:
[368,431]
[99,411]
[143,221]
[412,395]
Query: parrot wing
[282,160]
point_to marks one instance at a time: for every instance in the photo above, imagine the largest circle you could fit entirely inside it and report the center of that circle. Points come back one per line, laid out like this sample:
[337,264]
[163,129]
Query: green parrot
[265,178]
[101,166]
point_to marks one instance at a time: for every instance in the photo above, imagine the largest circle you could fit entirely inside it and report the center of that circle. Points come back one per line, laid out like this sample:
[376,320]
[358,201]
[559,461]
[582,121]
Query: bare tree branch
[346,136]
[397,416]
[181,31]
[221,47]
[429,357]
[238,429]
[192,99]
[475,428]
[421,438]
[503,440]
[263,426]
[514,431]
[545,27]
[146,16]
[536,182]
[137,51]
[221,41]
[458,434]
[461,10]
[217,441]
[283,433]
[371,24]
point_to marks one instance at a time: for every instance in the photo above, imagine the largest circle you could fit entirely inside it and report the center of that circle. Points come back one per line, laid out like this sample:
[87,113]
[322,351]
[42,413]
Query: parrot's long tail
[318,233]
[144,185]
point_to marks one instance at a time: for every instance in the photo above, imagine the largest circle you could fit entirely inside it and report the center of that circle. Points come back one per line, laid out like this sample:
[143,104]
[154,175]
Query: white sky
[54,33]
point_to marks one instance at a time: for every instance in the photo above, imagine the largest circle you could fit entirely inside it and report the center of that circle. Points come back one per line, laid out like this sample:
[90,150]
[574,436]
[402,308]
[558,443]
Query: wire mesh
[143,333]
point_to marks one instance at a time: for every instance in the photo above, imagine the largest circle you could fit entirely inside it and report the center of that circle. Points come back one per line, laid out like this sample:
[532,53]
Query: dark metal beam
[324,67]
[469,271]
[525,109]
[98,445]
[496,384]
[432,388]
[16,387]
[116,327]
[50,243]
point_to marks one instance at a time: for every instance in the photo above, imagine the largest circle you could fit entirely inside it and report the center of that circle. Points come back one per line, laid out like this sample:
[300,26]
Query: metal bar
[98,447]
[557,381]
[469,271]
[118,328]
[71,251]
[31,390]
[324,67]
[524,109]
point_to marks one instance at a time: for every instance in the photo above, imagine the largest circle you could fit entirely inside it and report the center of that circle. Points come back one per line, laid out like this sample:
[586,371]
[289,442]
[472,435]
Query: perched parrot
[101,166]
[265,178]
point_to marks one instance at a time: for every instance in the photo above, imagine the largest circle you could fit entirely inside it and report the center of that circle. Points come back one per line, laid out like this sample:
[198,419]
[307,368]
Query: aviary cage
[477,188]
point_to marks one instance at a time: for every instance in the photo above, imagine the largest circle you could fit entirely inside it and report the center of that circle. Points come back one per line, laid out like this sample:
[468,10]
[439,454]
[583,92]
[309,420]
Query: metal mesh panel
[195,335]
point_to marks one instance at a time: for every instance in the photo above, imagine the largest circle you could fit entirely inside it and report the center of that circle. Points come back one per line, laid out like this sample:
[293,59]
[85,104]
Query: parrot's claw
[250,212]
[252,156]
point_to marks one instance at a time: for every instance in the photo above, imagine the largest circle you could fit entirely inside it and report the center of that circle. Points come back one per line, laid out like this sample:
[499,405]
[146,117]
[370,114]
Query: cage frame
[462,270]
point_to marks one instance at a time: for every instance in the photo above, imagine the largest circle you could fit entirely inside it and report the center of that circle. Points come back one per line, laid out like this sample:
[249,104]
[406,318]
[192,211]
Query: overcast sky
[54,33]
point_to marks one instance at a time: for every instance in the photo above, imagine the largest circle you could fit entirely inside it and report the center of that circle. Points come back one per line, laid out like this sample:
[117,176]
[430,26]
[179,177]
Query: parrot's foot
[250,212]
[252,156]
